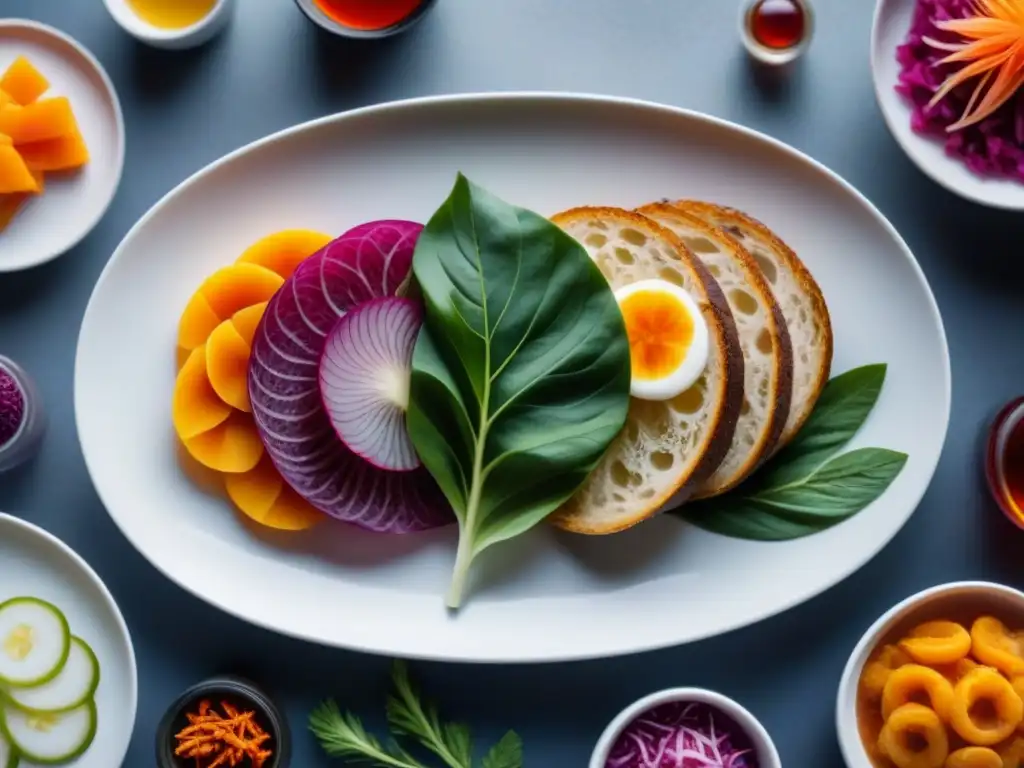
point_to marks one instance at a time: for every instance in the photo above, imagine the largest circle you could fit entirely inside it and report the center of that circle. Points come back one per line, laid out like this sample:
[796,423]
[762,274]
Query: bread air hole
[624,256]
[742,302]
[620,475]
[767,266]
[669,274]
[633,237]
[764,341]
[688,402]
[714,270]
[595,240]
[701,245]
[597,224]
[662,460]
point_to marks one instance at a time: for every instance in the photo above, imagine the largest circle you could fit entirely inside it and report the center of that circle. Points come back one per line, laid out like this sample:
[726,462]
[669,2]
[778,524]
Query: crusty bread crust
[725,341]
[780,392]
[726,217]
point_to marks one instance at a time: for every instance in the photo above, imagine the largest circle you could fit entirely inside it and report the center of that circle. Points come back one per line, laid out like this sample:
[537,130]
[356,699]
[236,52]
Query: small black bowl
[238,692]
[322,20]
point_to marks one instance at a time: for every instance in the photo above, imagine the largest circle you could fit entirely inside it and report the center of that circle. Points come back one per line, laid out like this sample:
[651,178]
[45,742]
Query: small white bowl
[767,755]
[954,599]
[889,30]
[172,39]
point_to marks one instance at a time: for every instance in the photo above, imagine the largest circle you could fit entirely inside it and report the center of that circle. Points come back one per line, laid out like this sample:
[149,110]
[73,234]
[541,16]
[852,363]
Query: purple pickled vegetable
[365,373]
[12,407]
[368,262]
[682,735]
[992,147]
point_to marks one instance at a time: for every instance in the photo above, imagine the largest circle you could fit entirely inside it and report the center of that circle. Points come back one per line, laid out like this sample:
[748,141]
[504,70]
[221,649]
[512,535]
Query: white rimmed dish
[37,564]
[889,29]
[661,584]
[172,39]
[956,599]
[764,749]
[52,223]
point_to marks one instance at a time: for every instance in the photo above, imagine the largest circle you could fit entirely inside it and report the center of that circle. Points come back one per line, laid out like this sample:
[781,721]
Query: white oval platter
[546,596]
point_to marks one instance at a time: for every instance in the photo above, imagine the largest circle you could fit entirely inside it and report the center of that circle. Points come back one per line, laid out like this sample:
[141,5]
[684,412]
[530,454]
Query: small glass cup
[765,54]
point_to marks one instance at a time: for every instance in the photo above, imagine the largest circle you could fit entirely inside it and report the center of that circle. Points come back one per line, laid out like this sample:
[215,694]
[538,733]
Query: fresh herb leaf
[841,410]
[839,488]
[343,735]
[507,753]
[836,491]
[407,715]
[521,369]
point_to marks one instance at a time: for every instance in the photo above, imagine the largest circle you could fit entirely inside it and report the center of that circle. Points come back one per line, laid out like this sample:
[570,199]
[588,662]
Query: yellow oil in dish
[172,14]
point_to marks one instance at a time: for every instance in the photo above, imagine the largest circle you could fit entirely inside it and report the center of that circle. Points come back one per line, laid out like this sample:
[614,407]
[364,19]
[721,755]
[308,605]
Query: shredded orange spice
[222,740]
[993,52]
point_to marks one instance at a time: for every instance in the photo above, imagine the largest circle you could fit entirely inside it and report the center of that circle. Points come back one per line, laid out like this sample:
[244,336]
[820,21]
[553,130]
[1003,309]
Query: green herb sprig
[341,734]
[806,488]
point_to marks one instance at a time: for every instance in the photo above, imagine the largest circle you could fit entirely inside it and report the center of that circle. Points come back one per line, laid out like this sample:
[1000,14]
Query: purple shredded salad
[12,406]
[682,735]
[992,147]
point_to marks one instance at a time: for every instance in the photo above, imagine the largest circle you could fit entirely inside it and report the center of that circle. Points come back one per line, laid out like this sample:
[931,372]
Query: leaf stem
[467,537]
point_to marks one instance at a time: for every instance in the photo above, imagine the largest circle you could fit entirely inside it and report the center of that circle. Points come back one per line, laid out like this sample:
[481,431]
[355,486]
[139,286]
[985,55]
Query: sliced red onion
[364,380]
[368,262]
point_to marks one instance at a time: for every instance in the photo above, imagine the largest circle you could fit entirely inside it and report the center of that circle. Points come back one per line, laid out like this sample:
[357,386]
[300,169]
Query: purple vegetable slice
[368,262]
[364,380]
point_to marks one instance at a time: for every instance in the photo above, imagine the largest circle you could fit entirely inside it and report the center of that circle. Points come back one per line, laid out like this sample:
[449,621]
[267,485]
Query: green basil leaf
[741,518]
[839,488]
[844,406]
[520,374]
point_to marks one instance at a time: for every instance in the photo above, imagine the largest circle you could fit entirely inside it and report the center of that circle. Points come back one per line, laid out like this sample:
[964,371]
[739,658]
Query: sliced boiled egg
[668,338]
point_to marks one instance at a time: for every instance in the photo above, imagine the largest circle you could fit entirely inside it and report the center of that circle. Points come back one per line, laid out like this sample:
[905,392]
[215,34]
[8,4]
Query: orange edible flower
[228,739]
[993,52]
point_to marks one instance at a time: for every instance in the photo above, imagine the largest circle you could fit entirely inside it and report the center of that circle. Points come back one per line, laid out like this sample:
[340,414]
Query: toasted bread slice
[667,448]
[800,298]
[764,339]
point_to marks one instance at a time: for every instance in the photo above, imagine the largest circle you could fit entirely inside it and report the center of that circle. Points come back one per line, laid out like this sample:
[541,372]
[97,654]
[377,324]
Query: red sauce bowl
[1006,436]
[317,14]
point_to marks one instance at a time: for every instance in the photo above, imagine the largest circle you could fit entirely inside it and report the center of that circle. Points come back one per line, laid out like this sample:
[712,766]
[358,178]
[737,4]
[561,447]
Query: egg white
[695,360]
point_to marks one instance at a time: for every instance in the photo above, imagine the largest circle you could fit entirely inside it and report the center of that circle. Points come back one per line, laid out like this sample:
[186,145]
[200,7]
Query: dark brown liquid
[777,24]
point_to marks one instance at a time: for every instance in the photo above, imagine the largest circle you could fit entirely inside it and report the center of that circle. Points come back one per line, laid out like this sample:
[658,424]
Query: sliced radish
[50,739]
[364,380]
[72,687]
[34,641]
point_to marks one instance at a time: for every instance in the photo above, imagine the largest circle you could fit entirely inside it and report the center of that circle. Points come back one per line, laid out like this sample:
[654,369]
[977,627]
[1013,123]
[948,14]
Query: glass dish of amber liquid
[776,32]
[1004,461]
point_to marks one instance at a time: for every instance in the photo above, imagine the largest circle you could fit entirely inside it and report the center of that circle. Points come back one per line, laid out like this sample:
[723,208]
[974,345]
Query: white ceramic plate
[37,564]
[73,203]
[546,596]
[891,24]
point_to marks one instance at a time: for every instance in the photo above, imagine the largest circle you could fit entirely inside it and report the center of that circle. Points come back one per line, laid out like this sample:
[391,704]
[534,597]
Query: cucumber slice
[34,641]
[8,757]
[50,739]
[72,687]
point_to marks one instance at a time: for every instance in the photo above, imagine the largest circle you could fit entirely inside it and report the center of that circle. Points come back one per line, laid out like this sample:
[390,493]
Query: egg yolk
[660,331]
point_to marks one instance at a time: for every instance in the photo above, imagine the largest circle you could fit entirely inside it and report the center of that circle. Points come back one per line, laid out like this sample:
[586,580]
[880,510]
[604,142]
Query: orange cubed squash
[9,207]
[14,174]
[23,82]
[6,99]
[64,153]
[39,121]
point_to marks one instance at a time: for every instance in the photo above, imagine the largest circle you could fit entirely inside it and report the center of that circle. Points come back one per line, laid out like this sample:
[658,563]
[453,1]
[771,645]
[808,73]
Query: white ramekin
[176,39]
[767,755]
[954,599]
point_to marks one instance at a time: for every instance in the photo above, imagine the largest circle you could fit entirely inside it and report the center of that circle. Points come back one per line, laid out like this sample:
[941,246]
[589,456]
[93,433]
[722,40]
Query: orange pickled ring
[974,757]
[937,642]
[985,684]
[877,671]
[914,737]
[911,680]
[993,644]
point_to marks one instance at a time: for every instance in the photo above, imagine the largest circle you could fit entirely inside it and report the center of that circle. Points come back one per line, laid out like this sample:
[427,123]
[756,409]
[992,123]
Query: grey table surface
[272,69]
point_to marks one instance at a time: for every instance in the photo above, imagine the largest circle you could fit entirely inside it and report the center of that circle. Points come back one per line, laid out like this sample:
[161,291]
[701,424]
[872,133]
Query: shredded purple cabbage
[992,147]
[12,406]
[682,735]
